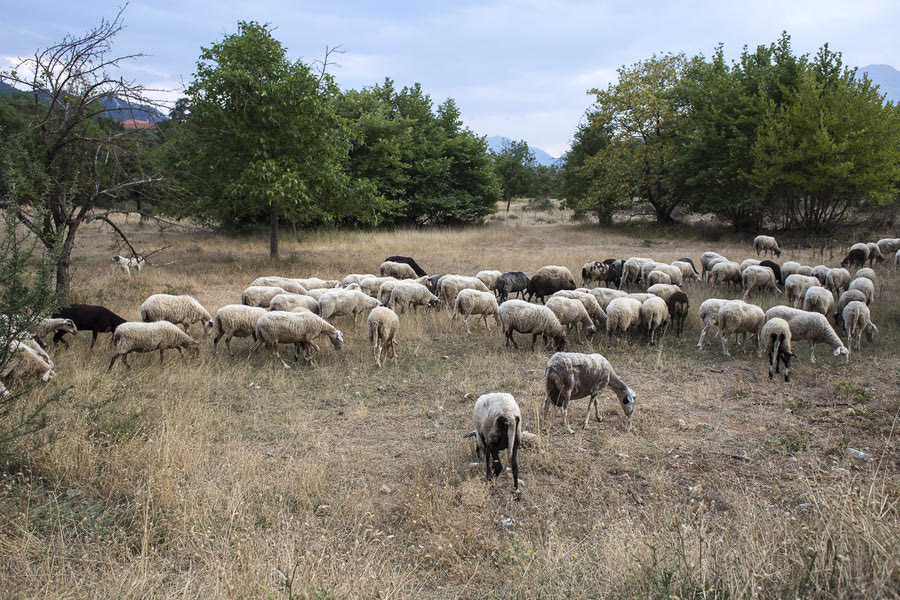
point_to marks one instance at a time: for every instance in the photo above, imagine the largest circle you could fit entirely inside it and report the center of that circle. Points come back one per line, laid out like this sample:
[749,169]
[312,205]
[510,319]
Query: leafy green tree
[587,181]
[515,165]
[267,140]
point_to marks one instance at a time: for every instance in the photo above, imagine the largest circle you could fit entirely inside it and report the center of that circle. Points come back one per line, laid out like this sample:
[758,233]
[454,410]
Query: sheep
[260,295]
[432,281]
[398,270]
[875,255]
[810,326]
[53,325]
[407,294]
[664,291]
[845,298]
[858,319]
[571,312]
[857,257]
[489,278]
[631,270]
[302,328]
[354,278]
[775,339]
[764,244]
[705,260]
[420,272]
[317,293]
[658,277]
[292,301]
[759,277]
[557,271]
[646,268]
[469,302]
[678,306]
[450,285]
[788,269]
[23,364]
[654,315]
[521,316]
[385,289]
[621,314]
[709,315]
[795,287]
[675,275]
[87,317]
[750,262]
[571,375]
[382,326]
[337,303]
[590,303]
[737,316]
[148,337]
[865,272]
[725,272]
[498,426]
[593,271]
[371,284]
[315,283]
[887,246]
[292,286]
[542,285]
[640,296]
[235,320]
[818,299]
[865,286]
[511,282]
[124,265]
[688,272]
[605,295]
[776,268]
[181,310]
[837,280]
[614,275]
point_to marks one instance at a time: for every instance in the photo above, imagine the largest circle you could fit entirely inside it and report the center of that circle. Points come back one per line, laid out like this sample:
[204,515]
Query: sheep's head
[193,348]
[337,340]
[870,330]
[842,354]
[627,400]
[68,326]
[560,342]
[208,327]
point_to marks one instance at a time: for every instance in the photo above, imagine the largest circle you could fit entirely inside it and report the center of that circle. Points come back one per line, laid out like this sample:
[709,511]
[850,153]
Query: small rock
[682,425]
[431,414]
[74,492]
[271,452]
[474,465]
[323,510]
[445,357]
[622,455]
[385,489]
[805,506]
[356,394]
[467,396]
[509,522]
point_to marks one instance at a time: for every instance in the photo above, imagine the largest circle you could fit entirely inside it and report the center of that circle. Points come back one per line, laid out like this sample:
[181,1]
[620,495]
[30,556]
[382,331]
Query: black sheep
[678,306]
[408,261]
[776,268]
[511,282]
[855,258]
[614,274]
[96,319]
[542,285]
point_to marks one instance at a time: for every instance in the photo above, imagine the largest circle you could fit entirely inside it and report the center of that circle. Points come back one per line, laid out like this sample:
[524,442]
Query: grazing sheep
[875,255]
[338,303]
[450,285]
[758,277]
[474,302]
[571,375]
[775,339]
[888,246]
[846,298]
[663,290]
[858,319]
[789,268]
[354,278]
[725,272]
[590,303]
[795,287]
[397,270]
[385,289]
[654,315]
[180,310]
[235,320]
[818,299]
[557,271]
[631,270]
[382,326]
[640,296]
[776,268]
[302,328]
[489,278]
[315,283]
[613,276]
[736,316]
[292,286]
[498,426]
[658,277]
[292,301]
[87,317]
[857,257]
[148,337]
[810,326]
[865,286]
[605,295]
[764,244]
[705,260]
[543,285]
[820,272]
[865,272]
[521,316]
[317,293]
[688,272]
[646,269]
[406,294]
[24,364]
[678,306]
[593,271]
[371,285]
[837,280]
[571,313]
[709,315]
[124,265]
[420,272]
[512,282]
[622,314]
[53,325]
[750,262]
[260,295]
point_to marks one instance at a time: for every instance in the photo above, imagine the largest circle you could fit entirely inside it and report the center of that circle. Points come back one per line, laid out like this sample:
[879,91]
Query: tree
[515,165]
[69,156]
[587,181]
[267,140]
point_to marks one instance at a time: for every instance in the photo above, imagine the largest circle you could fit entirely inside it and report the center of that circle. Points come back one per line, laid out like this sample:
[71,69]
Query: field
[215,478]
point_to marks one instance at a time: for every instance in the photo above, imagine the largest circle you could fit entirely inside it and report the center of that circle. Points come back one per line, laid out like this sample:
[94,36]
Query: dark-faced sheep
[87,317]
[498,426]
[511,282]
[546,285]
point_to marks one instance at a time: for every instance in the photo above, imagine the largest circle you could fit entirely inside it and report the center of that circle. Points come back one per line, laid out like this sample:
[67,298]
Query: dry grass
[217,478]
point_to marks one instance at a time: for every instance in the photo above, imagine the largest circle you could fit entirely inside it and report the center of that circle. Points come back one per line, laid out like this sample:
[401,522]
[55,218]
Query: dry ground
[215,478]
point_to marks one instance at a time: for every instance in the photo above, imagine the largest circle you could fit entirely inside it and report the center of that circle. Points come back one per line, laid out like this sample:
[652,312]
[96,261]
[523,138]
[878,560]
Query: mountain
[496,143]
[887,78]
[118,109]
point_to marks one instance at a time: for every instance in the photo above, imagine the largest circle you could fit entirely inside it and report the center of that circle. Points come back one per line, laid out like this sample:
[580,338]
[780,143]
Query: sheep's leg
[724,345]
[93,340]
[255,347]
[466,322]
[112,362]
[376,351]
[534,338]
[812,351]
[161,350]
[276,353]
[487,464]
[498,466]
[565,411]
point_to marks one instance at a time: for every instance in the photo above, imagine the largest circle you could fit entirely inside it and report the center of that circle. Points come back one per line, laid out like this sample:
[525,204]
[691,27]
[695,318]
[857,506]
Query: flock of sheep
[276,310]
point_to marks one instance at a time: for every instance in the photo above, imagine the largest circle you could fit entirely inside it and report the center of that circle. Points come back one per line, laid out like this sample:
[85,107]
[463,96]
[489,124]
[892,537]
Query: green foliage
[588,182]
[515,166]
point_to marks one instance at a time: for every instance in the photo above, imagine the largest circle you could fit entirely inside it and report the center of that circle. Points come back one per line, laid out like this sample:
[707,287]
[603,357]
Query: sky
[519,69]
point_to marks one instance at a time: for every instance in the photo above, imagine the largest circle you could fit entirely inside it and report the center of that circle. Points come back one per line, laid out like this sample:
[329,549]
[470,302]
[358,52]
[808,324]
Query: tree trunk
[63,275]
[273,233]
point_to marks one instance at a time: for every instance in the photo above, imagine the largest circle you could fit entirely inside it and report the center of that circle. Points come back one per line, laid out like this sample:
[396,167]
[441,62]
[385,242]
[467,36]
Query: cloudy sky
[516,68]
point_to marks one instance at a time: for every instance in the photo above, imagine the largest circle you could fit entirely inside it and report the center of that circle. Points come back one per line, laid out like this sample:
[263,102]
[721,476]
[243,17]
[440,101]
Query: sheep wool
[622,314]
[736,316]
[818,299]
[260,295]
[766,243]
[292,286]
[521,316]
[336,303]
[858,320]
[395,269]
[812,327]
[776,340]
[654,315]
[709,315]
[181,310]
[410,294]
[302,328]
[289,302]
[571,312]
[382,325]
[473,302]
[148,337]
[235,320]
[24,365]
[498,426]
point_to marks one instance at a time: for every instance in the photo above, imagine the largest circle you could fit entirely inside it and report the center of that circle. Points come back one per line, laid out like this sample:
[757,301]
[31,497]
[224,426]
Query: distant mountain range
[118,109]
[887,78]
[496,143]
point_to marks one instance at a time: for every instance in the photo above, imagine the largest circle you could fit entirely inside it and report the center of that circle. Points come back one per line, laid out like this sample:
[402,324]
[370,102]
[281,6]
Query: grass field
[215,478]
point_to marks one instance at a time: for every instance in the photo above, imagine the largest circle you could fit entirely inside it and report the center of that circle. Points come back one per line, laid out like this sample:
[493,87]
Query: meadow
[219,478]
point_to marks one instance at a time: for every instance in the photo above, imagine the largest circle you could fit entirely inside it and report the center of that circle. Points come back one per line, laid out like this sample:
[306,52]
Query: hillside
[887,78]
[118,109]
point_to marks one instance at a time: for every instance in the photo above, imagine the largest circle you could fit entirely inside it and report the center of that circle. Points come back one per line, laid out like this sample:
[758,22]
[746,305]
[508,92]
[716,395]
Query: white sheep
[410,294]
[837,280]
[557,271]
[897,260]
[775,339]
[663,290]
[640,296]
[864,285]
[709,316]
[725,272]
[354,278]
[571,313]
[888,246]
[875,255]
[750,262]
[789,268]
[235,320]
[818,299]
[572,375]
[24,364]
[812,327]
[399,270]
[865,272]
[795,287]
[524,317]
[688,273]
[474,302]
[647,268]
[449,287]
[46,326]
[148,337]
[260,295]
[382,326]
[317,293]
[654,314]
[591,305]
[182,310]
[658,277]
[498,426]
[757,277]
[766,243]
[737,316]
[315,283]
[846,298]
[292,301]
[385,289]
[292,286]
[337,302]
[301,328]
[622,314]
[705,260]
[631,270]
[489,278]
[371,284]
[605,295]
[820,272]
[857,320]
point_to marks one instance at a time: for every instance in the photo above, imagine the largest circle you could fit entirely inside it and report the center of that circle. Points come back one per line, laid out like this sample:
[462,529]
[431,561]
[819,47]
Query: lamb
[810,326]
[865,286]
[654,315]
[605,295]
[678,306]
[795,287]
[557,271]
[775,338]
[302,328]
[511,282]
[865,272]
[857,257]
[571,312]
[260,295]
[498,426]
[286,283]
[888,246]
[412,294]
[725,272]
[837,280]
[236,320]
[24,364]
[858,319]
[688,273]
[571,375]
[736,316]
[764,244]
[709,315]
[181,310]
[590,303]
[758,277]
[593,271]
[542,285]
[489,278]
[420,272]
[705,260]
[469,302]
[818,299]
[87,317]
[124,265]
[846,298]
[521,316]
[398,270]
[875,255]
[631,270]
[382,326]
[148,337]
[337,303]
[53,325]
[292,301]
[450,285]
[779,276]
[621,314]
